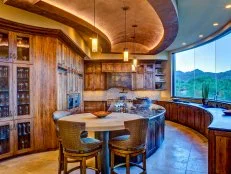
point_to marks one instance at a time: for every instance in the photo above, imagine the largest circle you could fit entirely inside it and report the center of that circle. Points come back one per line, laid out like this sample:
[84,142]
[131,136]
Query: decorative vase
[205,101]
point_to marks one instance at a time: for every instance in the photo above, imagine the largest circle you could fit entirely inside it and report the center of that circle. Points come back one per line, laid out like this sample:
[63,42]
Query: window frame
[173,65]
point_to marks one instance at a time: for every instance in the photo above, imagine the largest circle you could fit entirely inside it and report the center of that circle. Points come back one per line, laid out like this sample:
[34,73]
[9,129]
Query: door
[5,55]
[22,86]
[23,136]
[6,102]
[6,139]
[22,51]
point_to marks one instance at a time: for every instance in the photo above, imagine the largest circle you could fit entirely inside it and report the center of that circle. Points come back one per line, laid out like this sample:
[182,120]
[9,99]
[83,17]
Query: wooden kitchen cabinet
[6,139]
[93,106]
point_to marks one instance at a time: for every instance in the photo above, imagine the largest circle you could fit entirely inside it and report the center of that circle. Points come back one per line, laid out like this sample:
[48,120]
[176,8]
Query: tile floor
[184,151]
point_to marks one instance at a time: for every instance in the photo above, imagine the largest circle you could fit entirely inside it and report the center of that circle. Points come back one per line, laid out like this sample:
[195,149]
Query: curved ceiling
[156,19]
[196,17]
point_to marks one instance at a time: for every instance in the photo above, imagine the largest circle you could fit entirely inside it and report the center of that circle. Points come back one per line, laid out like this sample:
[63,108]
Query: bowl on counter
[176,99]
[101,114]
[227,112]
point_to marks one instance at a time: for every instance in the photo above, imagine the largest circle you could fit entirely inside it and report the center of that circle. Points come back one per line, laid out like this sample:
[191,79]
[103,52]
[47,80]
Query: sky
[212,57]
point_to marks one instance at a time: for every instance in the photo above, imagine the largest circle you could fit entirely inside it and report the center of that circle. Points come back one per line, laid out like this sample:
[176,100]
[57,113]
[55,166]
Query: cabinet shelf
[4,90]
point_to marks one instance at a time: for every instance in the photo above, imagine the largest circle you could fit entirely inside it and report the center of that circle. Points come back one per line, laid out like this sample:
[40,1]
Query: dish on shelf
[227,112]
[101,114]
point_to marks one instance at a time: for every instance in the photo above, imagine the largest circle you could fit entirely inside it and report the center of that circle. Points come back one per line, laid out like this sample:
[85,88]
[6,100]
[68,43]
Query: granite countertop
[220,121]
[148,113]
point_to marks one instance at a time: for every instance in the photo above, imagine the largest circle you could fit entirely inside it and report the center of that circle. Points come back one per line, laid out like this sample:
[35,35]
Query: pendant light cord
[125,16]
[94,17]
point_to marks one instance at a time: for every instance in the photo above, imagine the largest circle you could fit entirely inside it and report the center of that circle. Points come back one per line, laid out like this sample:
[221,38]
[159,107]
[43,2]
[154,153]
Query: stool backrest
[70,134]
[138,130]
[56,116]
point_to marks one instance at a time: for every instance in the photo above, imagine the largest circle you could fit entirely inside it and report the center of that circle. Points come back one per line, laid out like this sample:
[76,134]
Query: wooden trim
[206,40]
[27,29]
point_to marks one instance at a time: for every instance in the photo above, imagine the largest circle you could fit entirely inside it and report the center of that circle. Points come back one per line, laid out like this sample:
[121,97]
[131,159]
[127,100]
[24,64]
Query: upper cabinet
[116,67]
[4,47]
[15,47]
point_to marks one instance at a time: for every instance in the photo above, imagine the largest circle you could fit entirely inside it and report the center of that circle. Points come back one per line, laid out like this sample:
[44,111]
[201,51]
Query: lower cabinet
[6,139]
[191,116]
[16,137]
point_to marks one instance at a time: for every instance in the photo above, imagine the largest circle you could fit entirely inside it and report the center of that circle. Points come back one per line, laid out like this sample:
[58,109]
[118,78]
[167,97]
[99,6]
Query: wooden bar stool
[130,145]
[56,116]
[76,148]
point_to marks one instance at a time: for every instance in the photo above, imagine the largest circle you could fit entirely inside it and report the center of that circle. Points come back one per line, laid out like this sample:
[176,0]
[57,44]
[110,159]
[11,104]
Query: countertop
[220,121]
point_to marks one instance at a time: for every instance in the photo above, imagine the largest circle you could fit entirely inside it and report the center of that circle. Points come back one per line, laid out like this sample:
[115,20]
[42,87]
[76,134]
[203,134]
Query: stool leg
[65,165]
[127,164]
[112,161]
[144,161]
[99,162]
[84,166]
[60,158]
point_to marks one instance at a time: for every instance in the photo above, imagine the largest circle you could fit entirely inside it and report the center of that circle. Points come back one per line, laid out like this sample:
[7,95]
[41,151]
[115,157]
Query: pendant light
[134,46]
[126,54]
[94,40]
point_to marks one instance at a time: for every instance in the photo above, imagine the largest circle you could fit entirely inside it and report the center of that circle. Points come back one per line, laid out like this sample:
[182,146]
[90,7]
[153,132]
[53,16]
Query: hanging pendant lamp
[134,46]
[94,40]
[126,53]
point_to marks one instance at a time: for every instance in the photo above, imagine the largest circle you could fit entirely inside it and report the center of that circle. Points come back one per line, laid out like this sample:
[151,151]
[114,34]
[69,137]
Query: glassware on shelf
[4,46]
[23,48]
[4,139]
[23,135]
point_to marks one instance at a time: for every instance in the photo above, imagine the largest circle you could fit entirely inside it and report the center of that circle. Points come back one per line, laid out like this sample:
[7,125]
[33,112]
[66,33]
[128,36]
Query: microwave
[73,100]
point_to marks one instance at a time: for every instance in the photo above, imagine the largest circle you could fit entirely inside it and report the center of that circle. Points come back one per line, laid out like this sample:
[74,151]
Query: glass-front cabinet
[6,139]
[16,118]
[6,104]
[4,47]
[22,87]
[23,131]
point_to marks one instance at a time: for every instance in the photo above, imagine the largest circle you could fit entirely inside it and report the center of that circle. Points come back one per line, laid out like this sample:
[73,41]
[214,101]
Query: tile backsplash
[114,93]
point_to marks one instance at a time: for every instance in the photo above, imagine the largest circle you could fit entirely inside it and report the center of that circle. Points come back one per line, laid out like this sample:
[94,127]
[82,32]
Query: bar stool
[77,148]
[56,116]
[130,145]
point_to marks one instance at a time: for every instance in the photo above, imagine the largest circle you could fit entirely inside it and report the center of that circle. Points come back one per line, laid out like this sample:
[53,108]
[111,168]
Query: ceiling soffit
[157,21]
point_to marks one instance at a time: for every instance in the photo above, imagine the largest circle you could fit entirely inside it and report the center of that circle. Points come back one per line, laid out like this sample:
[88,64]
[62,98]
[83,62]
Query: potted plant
[205,93]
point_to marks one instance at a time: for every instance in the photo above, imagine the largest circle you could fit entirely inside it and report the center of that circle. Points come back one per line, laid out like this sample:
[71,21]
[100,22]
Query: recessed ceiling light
[215,24]
[183,43]
[228,6]
[201,35]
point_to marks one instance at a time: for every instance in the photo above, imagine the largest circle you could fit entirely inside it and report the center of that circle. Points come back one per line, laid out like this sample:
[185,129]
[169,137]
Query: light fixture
[134,46]
[228,6]
[215,24]
[183,43]
[94,41]
[201,35]
[126,54]
[1,36]
[133,68]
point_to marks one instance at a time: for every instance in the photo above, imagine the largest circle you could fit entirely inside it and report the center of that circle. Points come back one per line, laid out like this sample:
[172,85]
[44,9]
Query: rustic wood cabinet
[94,79]
[16,89]
[93,106]
[116,67]
[190,116]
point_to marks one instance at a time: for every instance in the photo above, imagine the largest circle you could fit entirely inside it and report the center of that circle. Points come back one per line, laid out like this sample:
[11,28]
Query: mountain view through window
[208,64]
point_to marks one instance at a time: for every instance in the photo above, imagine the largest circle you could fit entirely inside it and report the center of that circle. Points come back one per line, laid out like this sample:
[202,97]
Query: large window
[210,64]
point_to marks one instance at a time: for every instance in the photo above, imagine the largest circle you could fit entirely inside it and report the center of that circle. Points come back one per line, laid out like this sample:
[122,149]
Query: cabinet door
[6,139]
[5,55]
[22,87]
[6,97]
[22,51]
[148,81]
[139,81]
[107,67]
[23,136]
[99,81]
[89,81]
